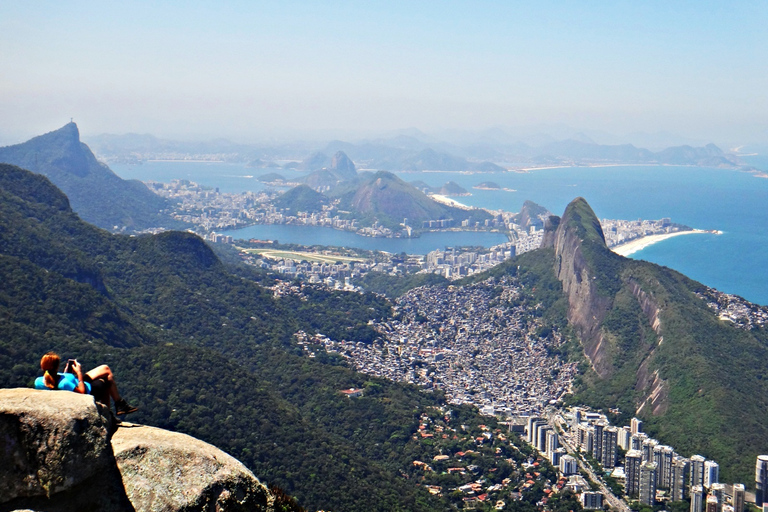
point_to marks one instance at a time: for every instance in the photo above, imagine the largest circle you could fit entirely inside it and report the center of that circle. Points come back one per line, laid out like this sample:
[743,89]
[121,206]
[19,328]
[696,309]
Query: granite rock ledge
[59,452]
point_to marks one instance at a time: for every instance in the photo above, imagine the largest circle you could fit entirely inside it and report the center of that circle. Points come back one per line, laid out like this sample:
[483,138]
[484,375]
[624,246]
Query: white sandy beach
[641,243]
[450,202]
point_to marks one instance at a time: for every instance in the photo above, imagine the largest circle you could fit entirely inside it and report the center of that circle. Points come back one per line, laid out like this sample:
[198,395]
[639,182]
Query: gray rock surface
[165,470]
[50,441]
[57,455]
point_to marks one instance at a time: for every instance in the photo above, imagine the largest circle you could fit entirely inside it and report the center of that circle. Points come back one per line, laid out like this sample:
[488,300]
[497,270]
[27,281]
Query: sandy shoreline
[450,202]
[639,244]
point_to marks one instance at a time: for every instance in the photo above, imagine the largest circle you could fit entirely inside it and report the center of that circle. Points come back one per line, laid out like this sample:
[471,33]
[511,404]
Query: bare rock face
[58,454]
[587,307]
[165,470]
[51,441]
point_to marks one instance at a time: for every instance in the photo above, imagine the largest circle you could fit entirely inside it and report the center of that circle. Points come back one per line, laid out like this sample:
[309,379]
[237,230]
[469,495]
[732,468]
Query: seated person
[99,382]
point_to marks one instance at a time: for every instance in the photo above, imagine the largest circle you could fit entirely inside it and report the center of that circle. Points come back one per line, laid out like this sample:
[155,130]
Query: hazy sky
[256,69]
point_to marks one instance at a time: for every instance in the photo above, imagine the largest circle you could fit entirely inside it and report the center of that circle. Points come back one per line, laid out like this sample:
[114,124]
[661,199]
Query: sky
[253,70]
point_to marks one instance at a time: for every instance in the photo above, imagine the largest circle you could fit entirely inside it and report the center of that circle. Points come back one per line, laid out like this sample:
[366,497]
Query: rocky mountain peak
[343,166]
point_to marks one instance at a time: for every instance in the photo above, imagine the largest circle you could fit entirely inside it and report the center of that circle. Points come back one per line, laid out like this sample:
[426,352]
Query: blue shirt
[67,382]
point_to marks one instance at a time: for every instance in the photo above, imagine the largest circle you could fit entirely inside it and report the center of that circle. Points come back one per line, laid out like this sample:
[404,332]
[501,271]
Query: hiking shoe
[122,407]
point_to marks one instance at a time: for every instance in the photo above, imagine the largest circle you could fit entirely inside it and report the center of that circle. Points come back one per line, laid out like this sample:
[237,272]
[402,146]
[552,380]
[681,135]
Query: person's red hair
[50,365]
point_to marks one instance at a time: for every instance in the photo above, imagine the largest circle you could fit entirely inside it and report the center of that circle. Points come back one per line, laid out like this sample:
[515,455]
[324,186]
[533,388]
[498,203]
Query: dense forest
[208,349]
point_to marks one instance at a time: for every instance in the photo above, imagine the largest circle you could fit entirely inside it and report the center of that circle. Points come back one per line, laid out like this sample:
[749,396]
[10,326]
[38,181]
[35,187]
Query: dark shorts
[99,387]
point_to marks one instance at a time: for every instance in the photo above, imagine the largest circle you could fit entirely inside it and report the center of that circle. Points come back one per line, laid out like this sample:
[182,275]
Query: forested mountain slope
[97,194]
[655,349]
[211,352]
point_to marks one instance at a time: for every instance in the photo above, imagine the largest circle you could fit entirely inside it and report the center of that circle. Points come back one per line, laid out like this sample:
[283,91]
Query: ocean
[733,202]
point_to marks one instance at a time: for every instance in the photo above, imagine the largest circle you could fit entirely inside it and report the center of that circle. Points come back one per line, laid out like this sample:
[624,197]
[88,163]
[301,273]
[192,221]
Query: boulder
[165,470]
[58,453]
[50,441]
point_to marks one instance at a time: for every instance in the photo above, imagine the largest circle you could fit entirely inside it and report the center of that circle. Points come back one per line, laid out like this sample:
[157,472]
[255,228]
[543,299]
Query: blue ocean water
[730,201]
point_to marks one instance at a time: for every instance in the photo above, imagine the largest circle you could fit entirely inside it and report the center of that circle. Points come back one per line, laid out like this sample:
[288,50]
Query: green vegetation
[705,376]
[97,194]
[203,348]
[301,199]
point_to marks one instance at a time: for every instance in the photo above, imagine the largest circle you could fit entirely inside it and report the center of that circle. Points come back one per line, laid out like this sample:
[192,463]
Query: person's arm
[80,382]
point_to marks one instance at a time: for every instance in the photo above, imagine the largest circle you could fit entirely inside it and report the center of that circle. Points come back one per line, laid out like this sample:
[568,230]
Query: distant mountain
[271,177]
[302,198]
[314,162]
[450,188]
[389,199]
[97,194]
[405,154]
[579,152]
[332,171]
[531,215]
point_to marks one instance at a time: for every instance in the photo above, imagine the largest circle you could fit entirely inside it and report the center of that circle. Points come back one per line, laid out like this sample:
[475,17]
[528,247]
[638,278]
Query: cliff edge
[60,452]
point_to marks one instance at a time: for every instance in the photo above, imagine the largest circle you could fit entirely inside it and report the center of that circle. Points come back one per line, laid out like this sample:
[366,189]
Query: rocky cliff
[62,452]
[577,239]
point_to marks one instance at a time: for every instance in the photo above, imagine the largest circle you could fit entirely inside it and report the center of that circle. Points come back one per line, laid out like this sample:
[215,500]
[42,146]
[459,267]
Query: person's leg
[104,372]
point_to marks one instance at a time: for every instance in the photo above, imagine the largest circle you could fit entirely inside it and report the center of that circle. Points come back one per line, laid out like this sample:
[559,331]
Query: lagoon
[312,235]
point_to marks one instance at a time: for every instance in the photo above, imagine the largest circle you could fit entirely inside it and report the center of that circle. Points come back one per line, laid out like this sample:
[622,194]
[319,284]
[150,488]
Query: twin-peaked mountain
[656,349]
[97,194]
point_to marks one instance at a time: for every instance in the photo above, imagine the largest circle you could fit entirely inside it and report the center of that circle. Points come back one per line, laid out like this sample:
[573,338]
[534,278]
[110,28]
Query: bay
[733,202]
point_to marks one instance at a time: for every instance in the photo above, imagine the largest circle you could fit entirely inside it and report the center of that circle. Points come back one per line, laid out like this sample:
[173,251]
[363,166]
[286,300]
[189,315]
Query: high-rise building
[761,480]
[678,481]
[636,442]
[610,437]
[712,503]
[553,443]
[697,470]
[586,435]
[597,443]
[591,500]
[568,465]
[648,446]
[632,461]
[718,491]
[541,438]
[697,498]
[625,438]
[647,492]
[738,499]
[662,456]
[711,473]
[531,421]
[636,425]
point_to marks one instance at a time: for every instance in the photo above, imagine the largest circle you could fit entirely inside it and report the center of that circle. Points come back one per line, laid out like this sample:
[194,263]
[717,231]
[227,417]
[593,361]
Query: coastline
[639,244]
[450,202]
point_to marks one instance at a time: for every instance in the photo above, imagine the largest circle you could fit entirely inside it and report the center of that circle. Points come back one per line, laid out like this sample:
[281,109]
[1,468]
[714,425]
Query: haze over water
[730,201]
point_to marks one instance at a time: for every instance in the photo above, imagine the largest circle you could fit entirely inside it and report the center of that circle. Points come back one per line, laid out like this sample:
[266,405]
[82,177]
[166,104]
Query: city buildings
[761,480]
[647,490]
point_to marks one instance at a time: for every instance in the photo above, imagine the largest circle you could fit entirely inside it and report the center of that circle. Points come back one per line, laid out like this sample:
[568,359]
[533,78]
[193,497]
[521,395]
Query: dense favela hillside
[97,194]
[210,350]
[655,346]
